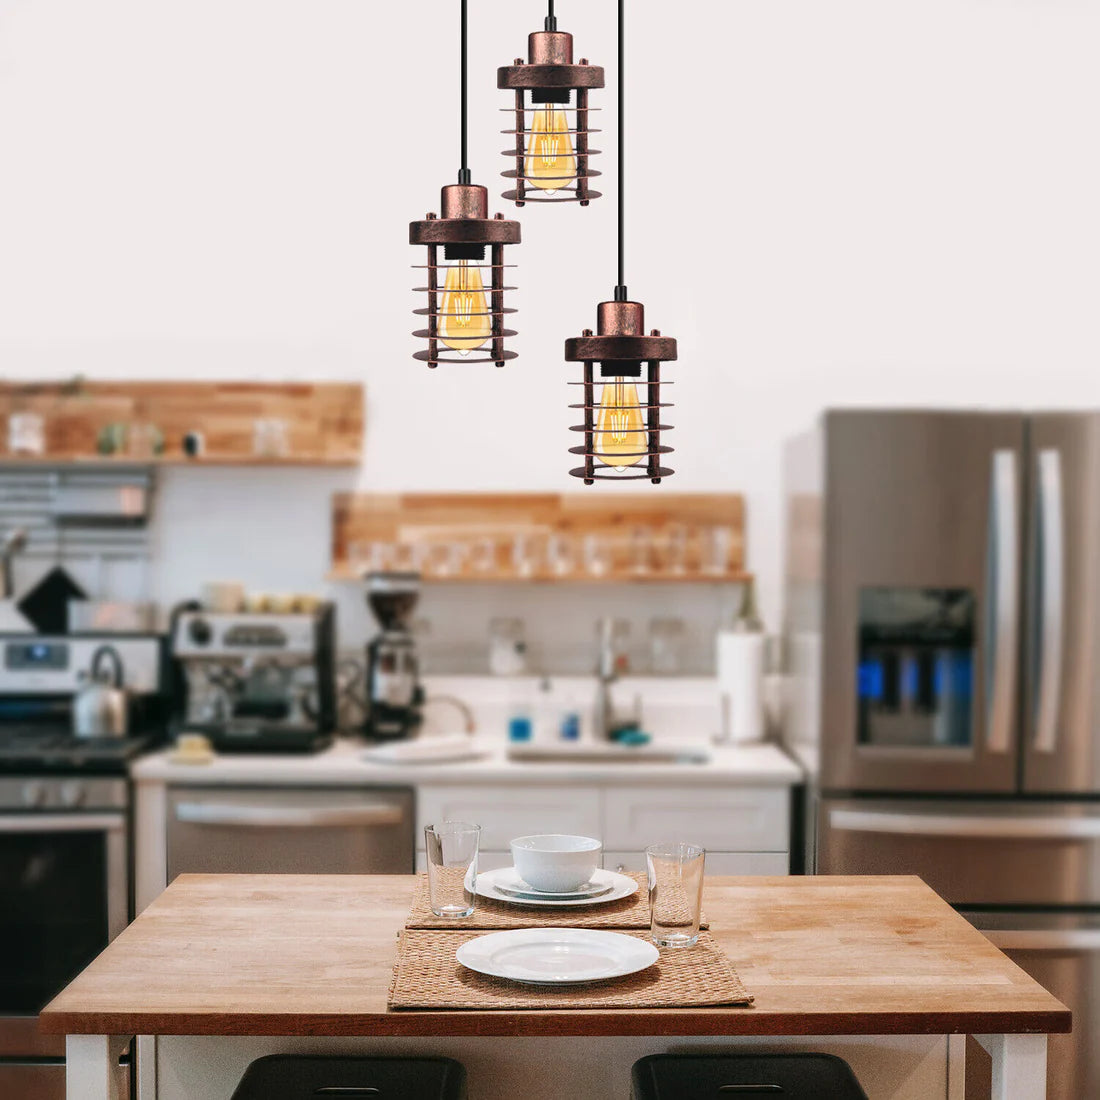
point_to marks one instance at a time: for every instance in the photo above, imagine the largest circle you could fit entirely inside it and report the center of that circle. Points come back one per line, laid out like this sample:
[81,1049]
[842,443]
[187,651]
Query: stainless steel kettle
[101,707]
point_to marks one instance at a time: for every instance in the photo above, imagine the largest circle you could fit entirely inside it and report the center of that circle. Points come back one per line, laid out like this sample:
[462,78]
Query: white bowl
[554,862]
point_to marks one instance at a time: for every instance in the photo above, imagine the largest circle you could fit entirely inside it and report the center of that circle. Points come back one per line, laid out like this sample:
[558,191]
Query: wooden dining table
[303,962]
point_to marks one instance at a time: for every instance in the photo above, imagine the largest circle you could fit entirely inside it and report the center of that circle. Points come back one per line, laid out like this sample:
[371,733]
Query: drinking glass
[716,558]
[452,867]
[676,541]
[560,555]
[675,874]
[596,556]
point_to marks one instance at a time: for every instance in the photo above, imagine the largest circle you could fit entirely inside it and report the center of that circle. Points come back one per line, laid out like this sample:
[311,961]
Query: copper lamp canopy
[551,150]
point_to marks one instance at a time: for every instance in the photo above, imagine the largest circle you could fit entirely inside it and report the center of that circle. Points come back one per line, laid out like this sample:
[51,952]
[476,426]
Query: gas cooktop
[32,749]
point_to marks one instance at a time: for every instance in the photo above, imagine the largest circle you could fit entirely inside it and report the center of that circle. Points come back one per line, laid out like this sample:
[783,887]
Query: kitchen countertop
[312,955]
[743,765]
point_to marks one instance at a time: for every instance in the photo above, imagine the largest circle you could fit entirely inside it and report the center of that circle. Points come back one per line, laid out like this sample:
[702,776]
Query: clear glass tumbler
[675,893]
[452,867]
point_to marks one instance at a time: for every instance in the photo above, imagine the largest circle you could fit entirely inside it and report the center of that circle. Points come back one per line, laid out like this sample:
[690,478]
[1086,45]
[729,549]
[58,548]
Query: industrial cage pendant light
[551,147]
[622,432]
[460,318]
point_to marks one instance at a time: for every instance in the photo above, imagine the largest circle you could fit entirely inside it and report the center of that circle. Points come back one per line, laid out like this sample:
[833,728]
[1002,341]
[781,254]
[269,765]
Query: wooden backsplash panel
[432,519]
[324,420]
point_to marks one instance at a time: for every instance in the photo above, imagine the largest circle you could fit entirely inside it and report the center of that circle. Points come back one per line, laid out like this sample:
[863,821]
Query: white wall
[860,201]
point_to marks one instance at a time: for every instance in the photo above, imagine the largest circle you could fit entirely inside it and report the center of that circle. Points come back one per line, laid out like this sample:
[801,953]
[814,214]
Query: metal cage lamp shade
[622,426]
[551,150]
[465,285]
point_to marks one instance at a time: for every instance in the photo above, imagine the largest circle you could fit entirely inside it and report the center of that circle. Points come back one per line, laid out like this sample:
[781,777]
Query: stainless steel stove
[64,836]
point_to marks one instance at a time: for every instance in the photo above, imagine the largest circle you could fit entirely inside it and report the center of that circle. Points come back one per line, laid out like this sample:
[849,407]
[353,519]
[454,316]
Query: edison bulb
[550,164]
[620,429]
[465,323]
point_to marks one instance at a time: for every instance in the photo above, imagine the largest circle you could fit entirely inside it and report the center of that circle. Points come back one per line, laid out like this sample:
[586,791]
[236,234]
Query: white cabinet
[507,812]
[718,863]
[746,830]
[739,819]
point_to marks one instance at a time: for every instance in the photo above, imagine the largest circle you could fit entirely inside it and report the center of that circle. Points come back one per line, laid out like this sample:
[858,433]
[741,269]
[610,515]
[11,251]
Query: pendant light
[551,146]
[461,318]
[622,431]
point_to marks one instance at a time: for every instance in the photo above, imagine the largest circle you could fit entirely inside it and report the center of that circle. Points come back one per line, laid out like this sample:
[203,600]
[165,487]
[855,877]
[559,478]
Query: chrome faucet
[609,666]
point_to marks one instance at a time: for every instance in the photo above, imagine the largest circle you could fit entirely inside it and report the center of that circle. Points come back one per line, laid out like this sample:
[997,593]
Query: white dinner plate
[622,886]
[557,956]
[437,749]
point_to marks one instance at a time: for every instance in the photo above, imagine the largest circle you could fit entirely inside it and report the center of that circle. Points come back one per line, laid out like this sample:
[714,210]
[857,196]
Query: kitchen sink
[608,753]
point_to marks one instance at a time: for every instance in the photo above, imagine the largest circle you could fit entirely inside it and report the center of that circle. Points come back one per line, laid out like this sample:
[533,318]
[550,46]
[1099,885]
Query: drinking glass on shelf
[26,433]
[408,557]
[270,438]
[597,558]
[561,558]
[445,559]
[483,557]
[524,555]
[452,867]
[716,552]
[676,540]
[641,551]
[370,557]
[675,873]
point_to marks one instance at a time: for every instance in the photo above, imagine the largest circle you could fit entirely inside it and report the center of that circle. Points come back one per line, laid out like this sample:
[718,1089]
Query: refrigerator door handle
[1051,587]
[1075,940]
[1002,598]
[979,826]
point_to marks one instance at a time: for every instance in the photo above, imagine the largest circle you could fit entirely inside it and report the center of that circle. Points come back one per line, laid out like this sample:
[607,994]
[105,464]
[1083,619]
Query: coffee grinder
[394,694]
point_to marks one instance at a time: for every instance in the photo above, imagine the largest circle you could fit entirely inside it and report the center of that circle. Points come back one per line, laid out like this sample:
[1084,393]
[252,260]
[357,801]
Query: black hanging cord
[620,289]
[551,22]
[464,171]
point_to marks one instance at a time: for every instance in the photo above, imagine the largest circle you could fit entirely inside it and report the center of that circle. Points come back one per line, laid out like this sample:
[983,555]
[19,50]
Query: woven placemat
[427,975]
[494,916]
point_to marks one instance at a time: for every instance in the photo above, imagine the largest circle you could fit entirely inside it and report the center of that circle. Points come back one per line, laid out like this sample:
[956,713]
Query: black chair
[298,1077]
[746,1076]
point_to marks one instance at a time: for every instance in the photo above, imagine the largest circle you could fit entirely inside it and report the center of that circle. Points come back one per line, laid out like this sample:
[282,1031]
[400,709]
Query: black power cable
[464,171]
[620,289]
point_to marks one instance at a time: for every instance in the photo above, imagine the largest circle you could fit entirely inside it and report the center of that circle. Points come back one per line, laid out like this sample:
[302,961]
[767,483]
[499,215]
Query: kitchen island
[225,969]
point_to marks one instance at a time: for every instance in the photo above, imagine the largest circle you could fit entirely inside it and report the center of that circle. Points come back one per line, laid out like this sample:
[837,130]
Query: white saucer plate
[557,956]
[621,886]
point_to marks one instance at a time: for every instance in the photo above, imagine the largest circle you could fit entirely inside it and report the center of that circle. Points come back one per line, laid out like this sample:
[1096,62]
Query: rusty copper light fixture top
[551,150]
[622,428]
[464,315]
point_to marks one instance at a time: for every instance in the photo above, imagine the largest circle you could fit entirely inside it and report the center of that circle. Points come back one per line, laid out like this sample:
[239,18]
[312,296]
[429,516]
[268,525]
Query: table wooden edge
[730,1022]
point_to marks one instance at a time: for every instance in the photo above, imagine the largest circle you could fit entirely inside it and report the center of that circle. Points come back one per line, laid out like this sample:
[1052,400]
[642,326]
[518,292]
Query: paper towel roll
[740,661]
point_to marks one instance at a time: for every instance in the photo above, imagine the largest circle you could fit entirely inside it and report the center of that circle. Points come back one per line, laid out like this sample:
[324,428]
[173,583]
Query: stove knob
[72,794]
[34,794]
[200,631]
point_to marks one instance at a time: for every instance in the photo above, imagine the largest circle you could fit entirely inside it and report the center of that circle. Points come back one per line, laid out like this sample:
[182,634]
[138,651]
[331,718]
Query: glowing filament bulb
[465,323]
[550,164]
[620,430]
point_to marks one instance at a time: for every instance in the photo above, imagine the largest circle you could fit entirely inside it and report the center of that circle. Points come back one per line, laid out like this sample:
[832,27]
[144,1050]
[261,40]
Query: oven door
[64,882]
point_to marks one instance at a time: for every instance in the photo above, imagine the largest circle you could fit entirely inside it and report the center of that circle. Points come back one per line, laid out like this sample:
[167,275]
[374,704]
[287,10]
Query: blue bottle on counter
[520,726]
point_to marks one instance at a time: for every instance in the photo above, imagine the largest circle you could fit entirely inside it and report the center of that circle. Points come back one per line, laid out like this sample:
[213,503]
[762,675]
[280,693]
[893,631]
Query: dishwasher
[290,830]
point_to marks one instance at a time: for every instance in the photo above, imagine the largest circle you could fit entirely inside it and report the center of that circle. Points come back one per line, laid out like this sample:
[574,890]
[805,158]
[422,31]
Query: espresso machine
[394,694]
[258,682]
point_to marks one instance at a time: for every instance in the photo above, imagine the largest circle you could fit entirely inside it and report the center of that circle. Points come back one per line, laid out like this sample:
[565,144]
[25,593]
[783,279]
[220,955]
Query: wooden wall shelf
[322,422]
[493,538]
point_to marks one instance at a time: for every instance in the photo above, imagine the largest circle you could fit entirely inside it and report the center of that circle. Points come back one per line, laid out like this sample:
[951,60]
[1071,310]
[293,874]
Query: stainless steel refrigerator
[943,630]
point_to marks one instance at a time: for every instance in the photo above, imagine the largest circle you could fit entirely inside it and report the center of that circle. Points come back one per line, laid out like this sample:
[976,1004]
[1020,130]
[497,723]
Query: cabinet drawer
[718,863]
[507,812]
[486,861]
[752,819]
